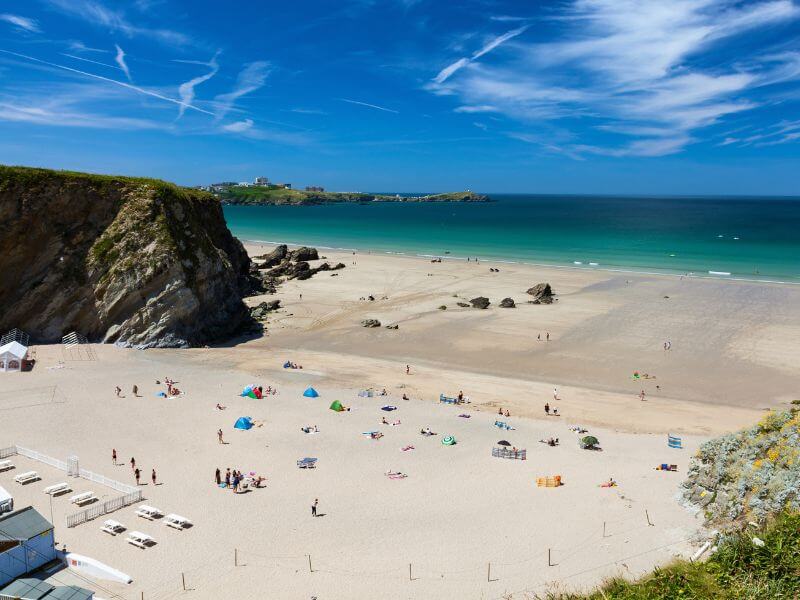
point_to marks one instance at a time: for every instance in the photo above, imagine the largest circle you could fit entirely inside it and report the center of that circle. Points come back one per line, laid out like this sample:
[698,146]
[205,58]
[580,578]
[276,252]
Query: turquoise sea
[729,237]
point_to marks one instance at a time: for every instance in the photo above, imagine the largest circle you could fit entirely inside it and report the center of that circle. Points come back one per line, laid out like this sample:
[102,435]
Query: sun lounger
[6,465]
[674,441]
[447,400]
[503,425]
[307,463]
[27,477]
[499,452]
[112,527]
[57,489]
[83,498]
[177,521]
[550,482]
[139,539]
[148,512]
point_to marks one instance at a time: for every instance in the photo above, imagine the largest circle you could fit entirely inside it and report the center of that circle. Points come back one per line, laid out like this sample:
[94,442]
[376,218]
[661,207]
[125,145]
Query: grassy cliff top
[270,195]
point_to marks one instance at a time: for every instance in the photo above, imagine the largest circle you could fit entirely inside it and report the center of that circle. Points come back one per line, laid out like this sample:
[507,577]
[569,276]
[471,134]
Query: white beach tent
[11,356]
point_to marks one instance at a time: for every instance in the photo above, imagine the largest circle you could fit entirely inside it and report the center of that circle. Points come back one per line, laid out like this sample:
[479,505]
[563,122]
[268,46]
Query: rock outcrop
[270,259]
[138,262]
[370,323]
[542,294]
[261,310]
[507,303]
[480,302]
[303,253]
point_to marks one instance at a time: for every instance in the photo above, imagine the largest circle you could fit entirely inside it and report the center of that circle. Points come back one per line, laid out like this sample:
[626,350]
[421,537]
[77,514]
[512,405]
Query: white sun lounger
[139,539]
[148,512]
[83,498]
[113,527]
[6,465]
[57,489]
[27,477]
[176,521]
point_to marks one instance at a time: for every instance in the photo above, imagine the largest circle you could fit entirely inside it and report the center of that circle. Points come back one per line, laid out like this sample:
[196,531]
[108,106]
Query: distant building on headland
[286,186]
[243,184]
[261,181]
[315,188]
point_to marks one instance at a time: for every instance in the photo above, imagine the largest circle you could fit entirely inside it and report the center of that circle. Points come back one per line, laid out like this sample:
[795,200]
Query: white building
[11,357]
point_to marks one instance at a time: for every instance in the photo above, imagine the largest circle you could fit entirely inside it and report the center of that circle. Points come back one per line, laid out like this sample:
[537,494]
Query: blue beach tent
[311,393]
[244,423]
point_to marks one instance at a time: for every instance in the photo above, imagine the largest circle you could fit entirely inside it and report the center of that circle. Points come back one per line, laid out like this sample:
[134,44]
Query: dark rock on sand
[480,302]
[395,326]
[273,258]
[260,311]
[463,304]
[370,323]
[542,294]
[303,253]
[507,303]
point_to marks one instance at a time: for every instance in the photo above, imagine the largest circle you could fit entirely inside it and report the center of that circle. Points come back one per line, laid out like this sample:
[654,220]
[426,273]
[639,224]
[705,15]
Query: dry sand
[459,509]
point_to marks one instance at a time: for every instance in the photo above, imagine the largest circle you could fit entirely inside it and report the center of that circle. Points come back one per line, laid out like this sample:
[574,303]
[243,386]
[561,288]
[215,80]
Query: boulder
[542,294]
[260,311]
[370,323]
[480,302]
[507,303]
[463,304]
[273,258]
[395,326]
[303,253]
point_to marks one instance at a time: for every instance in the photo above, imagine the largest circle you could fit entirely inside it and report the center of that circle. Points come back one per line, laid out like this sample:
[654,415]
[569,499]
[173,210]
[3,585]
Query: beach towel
[407,448]
[161,394]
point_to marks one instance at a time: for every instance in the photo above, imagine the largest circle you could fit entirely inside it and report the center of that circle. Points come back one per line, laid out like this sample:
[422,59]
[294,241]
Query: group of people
[550,441]
[236,481]
[134,390]
[503,414]
[309,429]
[548,412]
[137,473]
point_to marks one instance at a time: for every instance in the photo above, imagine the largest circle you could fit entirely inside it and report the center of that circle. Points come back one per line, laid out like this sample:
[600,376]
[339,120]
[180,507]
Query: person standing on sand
[408,369]
[228,477]
[547,408]
[217,477]
[137,474]
[555,393]
[133,463]
[539,337]
[219,436]
[153,477]
[548,336]
[118,391]
[114,456]
[314,507]
[641,396]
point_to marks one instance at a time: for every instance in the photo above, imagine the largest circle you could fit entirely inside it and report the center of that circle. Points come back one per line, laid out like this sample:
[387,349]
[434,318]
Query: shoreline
[716,276]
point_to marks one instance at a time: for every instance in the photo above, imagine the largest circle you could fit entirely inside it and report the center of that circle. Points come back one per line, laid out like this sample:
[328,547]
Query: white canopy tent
[11,357]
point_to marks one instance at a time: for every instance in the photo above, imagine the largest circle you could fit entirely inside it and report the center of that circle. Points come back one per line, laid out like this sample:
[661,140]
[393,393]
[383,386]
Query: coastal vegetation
[268,195]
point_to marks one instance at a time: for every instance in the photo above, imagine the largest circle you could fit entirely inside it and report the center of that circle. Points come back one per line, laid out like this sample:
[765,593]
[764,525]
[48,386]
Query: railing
[48,460]
[100,509]
[508,453]
[107,481]
[6,452]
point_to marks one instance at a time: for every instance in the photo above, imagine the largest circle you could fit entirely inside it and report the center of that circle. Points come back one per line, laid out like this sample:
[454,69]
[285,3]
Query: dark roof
[24,524]
[69,592]
[27,588]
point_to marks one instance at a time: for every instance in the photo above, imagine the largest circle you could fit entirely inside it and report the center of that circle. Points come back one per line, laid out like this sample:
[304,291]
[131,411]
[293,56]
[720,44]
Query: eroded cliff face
[134,261]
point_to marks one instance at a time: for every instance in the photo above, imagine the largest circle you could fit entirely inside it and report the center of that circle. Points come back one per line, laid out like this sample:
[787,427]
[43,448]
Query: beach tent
[243,423]
[310,393]
[287,365]
[247,390]
[11,357]
[388,408]
[366,393]
[503,443]
[337,406]
[589,442]
[448,440]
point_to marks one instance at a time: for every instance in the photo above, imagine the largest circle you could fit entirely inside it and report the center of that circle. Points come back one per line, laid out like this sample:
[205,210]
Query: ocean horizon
[732,237]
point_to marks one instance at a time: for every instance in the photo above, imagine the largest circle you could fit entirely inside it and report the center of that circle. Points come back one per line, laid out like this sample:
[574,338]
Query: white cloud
[239,126]
[452,68]
[120,60]
[251,78]
[30,25]
[186,90]
[368,105]
[634,66]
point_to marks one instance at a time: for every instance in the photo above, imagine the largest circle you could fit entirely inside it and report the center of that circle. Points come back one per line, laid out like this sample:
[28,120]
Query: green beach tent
[589,442]
[337,406]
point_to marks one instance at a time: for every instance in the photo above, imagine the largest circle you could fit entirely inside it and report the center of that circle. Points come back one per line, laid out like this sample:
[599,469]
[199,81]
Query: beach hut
[311,393]
[243,423]
[337,406]
[11,356]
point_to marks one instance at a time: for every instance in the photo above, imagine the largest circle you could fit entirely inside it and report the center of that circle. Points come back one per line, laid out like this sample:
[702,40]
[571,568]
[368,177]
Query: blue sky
[573,96]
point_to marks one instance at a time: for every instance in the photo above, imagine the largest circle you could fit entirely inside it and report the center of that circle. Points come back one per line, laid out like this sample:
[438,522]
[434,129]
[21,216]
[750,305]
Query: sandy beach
[463,523]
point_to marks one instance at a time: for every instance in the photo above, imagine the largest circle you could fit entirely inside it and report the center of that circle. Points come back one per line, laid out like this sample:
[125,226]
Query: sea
[750,238]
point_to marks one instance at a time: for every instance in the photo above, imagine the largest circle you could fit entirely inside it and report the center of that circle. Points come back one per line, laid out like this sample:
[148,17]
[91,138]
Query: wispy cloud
[452,68]
[25,23]
[641,69]
[481,108]
[79,46]
[307,111]
[251,78]
[97,13]
[127,86]
[239,126]
[186,90]
[368,105]
[120,60]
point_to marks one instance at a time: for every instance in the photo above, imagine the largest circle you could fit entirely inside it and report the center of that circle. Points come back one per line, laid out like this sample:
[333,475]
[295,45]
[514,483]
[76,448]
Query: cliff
[281,196]
[139,262]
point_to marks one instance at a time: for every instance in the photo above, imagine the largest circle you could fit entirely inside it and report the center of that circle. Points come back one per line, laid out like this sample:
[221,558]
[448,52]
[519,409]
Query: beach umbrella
[311,393]
[589,442]
[503,443]
[448,440]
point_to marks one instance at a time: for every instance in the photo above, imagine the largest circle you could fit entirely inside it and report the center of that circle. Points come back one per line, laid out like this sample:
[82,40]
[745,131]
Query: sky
[567,96]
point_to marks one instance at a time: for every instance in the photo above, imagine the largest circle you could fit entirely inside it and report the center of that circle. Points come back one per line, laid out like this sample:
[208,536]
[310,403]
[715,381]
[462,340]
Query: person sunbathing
[405,396]
[384,421]
[220,406]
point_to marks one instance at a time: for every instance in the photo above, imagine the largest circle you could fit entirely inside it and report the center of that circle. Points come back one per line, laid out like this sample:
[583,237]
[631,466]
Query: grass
[738,570]
[274,195]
